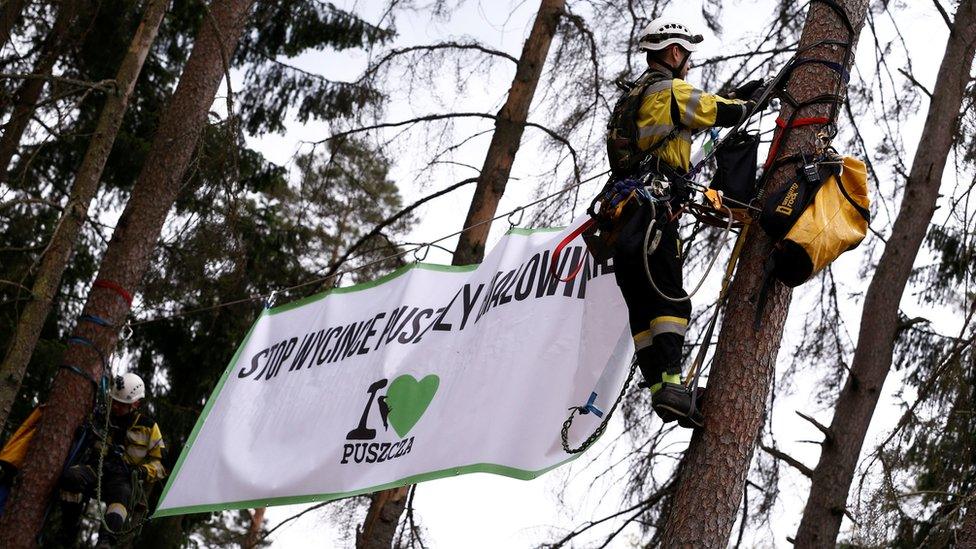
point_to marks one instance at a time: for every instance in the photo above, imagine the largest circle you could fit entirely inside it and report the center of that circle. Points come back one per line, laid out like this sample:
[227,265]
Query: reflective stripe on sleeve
[691,107]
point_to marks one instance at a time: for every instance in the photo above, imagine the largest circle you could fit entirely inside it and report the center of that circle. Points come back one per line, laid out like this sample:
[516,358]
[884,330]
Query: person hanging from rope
[133,447]
[649,148]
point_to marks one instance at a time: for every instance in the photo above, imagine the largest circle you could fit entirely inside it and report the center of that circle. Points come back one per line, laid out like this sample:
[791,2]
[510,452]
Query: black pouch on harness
[736,162]
[784,206]
[602,238]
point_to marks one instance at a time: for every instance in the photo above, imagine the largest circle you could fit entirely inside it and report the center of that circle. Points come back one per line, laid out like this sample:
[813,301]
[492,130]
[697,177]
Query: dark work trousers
[657,324]
[80,481]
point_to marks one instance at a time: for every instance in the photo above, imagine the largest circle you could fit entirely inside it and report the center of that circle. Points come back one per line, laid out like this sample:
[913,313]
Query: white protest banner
[429,372]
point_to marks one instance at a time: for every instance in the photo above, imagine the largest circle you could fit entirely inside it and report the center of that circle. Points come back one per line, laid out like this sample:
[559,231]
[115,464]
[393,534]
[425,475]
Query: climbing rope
[650,247]
[415,250]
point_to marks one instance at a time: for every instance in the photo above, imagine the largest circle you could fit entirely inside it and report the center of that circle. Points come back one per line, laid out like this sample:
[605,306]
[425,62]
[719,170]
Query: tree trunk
[30,89]
[879,320]
[254,531]
[967,534]
[387,506]
[123,267]
[8,18]
[381,521]
[55,259]
[509,125]
[718,458]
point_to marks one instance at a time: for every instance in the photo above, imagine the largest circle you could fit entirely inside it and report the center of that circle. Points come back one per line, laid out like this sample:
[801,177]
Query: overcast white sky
[492,511]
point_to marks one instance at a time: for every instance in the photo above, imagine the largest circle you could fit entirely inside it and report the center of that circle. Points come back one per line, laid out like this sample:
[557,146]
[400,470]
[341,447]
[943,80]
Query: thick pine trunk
[55,259]
[831,479]
[967,534]
[29,91]
[509,126]
[386,507]
[718,458]
[123,266]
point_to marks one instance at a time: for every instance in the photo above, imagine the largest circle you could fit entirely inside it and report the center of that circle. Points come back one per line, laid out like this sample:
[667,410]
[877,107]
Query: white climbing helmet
[663,31]
[128,388]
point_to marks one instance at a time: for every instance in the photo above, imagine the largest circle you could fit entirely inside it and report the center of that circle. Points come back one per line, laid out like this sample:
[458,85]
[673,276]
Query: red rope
[553,266]
[118,289]
[798,122]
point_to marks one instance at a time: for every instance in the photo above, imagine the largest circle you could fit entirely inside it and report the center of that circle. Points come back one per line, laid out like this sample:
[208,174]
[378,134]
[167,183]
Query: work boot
[673,402]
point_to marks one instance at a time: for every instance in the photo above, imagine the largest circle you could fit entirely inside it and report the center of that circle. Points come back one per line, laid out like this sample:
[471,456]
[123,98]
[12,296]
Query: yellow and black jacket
[143,443]
[660,114]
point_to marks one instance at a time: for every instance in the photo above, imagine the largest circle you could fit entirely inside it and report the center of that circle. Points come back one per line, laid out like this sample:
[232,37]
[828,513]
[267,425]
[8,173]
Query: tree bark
[30,89]
[717,461]
[58,252]
[8,18]
[380,525]
[254,531]
[507,137]
[123,267]
[879,319]
[386,507]
[967,535]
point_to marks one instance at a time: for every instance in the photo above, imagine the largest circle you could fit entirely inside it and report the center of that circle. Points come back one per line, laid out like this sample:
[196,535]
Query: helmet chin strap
[681,67]
[675,71]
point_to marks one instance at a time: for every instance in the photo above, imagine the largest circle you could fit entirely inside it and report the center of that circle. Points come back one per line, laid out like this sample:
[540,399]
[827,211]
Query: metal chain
[603,424]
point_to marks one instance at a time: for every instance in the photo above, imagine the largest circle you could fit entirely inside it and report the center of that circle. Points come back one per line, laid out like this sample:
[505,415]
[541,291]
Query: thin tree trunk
[718,458]
[386,507]
[8,18]
[254,531]
[879,320]
[55,259]
[122,269]
[30,89]
[381,521]
[505,142]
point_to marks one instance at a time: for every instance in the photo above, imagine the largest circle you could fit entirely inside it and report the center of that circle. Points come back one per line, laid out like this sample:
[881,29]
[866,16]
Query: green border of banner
[520,474]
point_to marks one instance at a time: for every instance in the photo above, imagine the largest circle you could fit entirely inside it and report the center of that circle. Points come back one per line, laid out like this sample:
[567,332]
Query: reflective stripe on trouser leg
[116,509]
[668,325]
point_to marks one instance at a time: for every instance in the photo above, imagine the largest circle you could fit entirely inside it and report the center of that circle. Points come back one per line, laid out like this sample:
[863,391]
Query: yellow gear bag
[16,448]
[834,221]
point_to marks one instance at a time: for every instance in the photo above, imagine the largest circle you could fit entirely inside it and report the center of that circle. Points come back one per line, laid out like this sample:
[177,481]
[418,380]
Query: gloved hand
[749,90]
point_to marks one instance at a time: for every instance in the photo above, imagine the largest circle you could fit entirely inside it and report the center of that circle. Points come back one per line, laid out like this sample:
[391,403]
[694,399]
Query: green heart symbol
[408,400]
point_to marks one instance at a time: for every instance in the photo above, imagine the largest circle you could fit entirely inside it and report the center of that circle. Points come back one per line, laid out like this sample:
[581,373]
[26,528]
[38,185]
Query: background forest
[314,144]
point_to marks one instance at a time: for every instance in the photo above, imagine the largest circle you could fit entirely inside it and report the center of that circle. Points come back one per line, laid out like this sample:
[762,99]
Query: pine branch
[915,82]
[434,47]
[334,267]
[788,459]
[106,85]
[828,434]
[943,13]
[447,116]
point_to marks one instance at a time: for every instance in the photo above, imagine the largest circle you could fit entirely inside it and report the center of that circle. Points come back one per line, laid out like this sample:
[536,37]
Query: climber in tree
[133,449]
[649,147]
